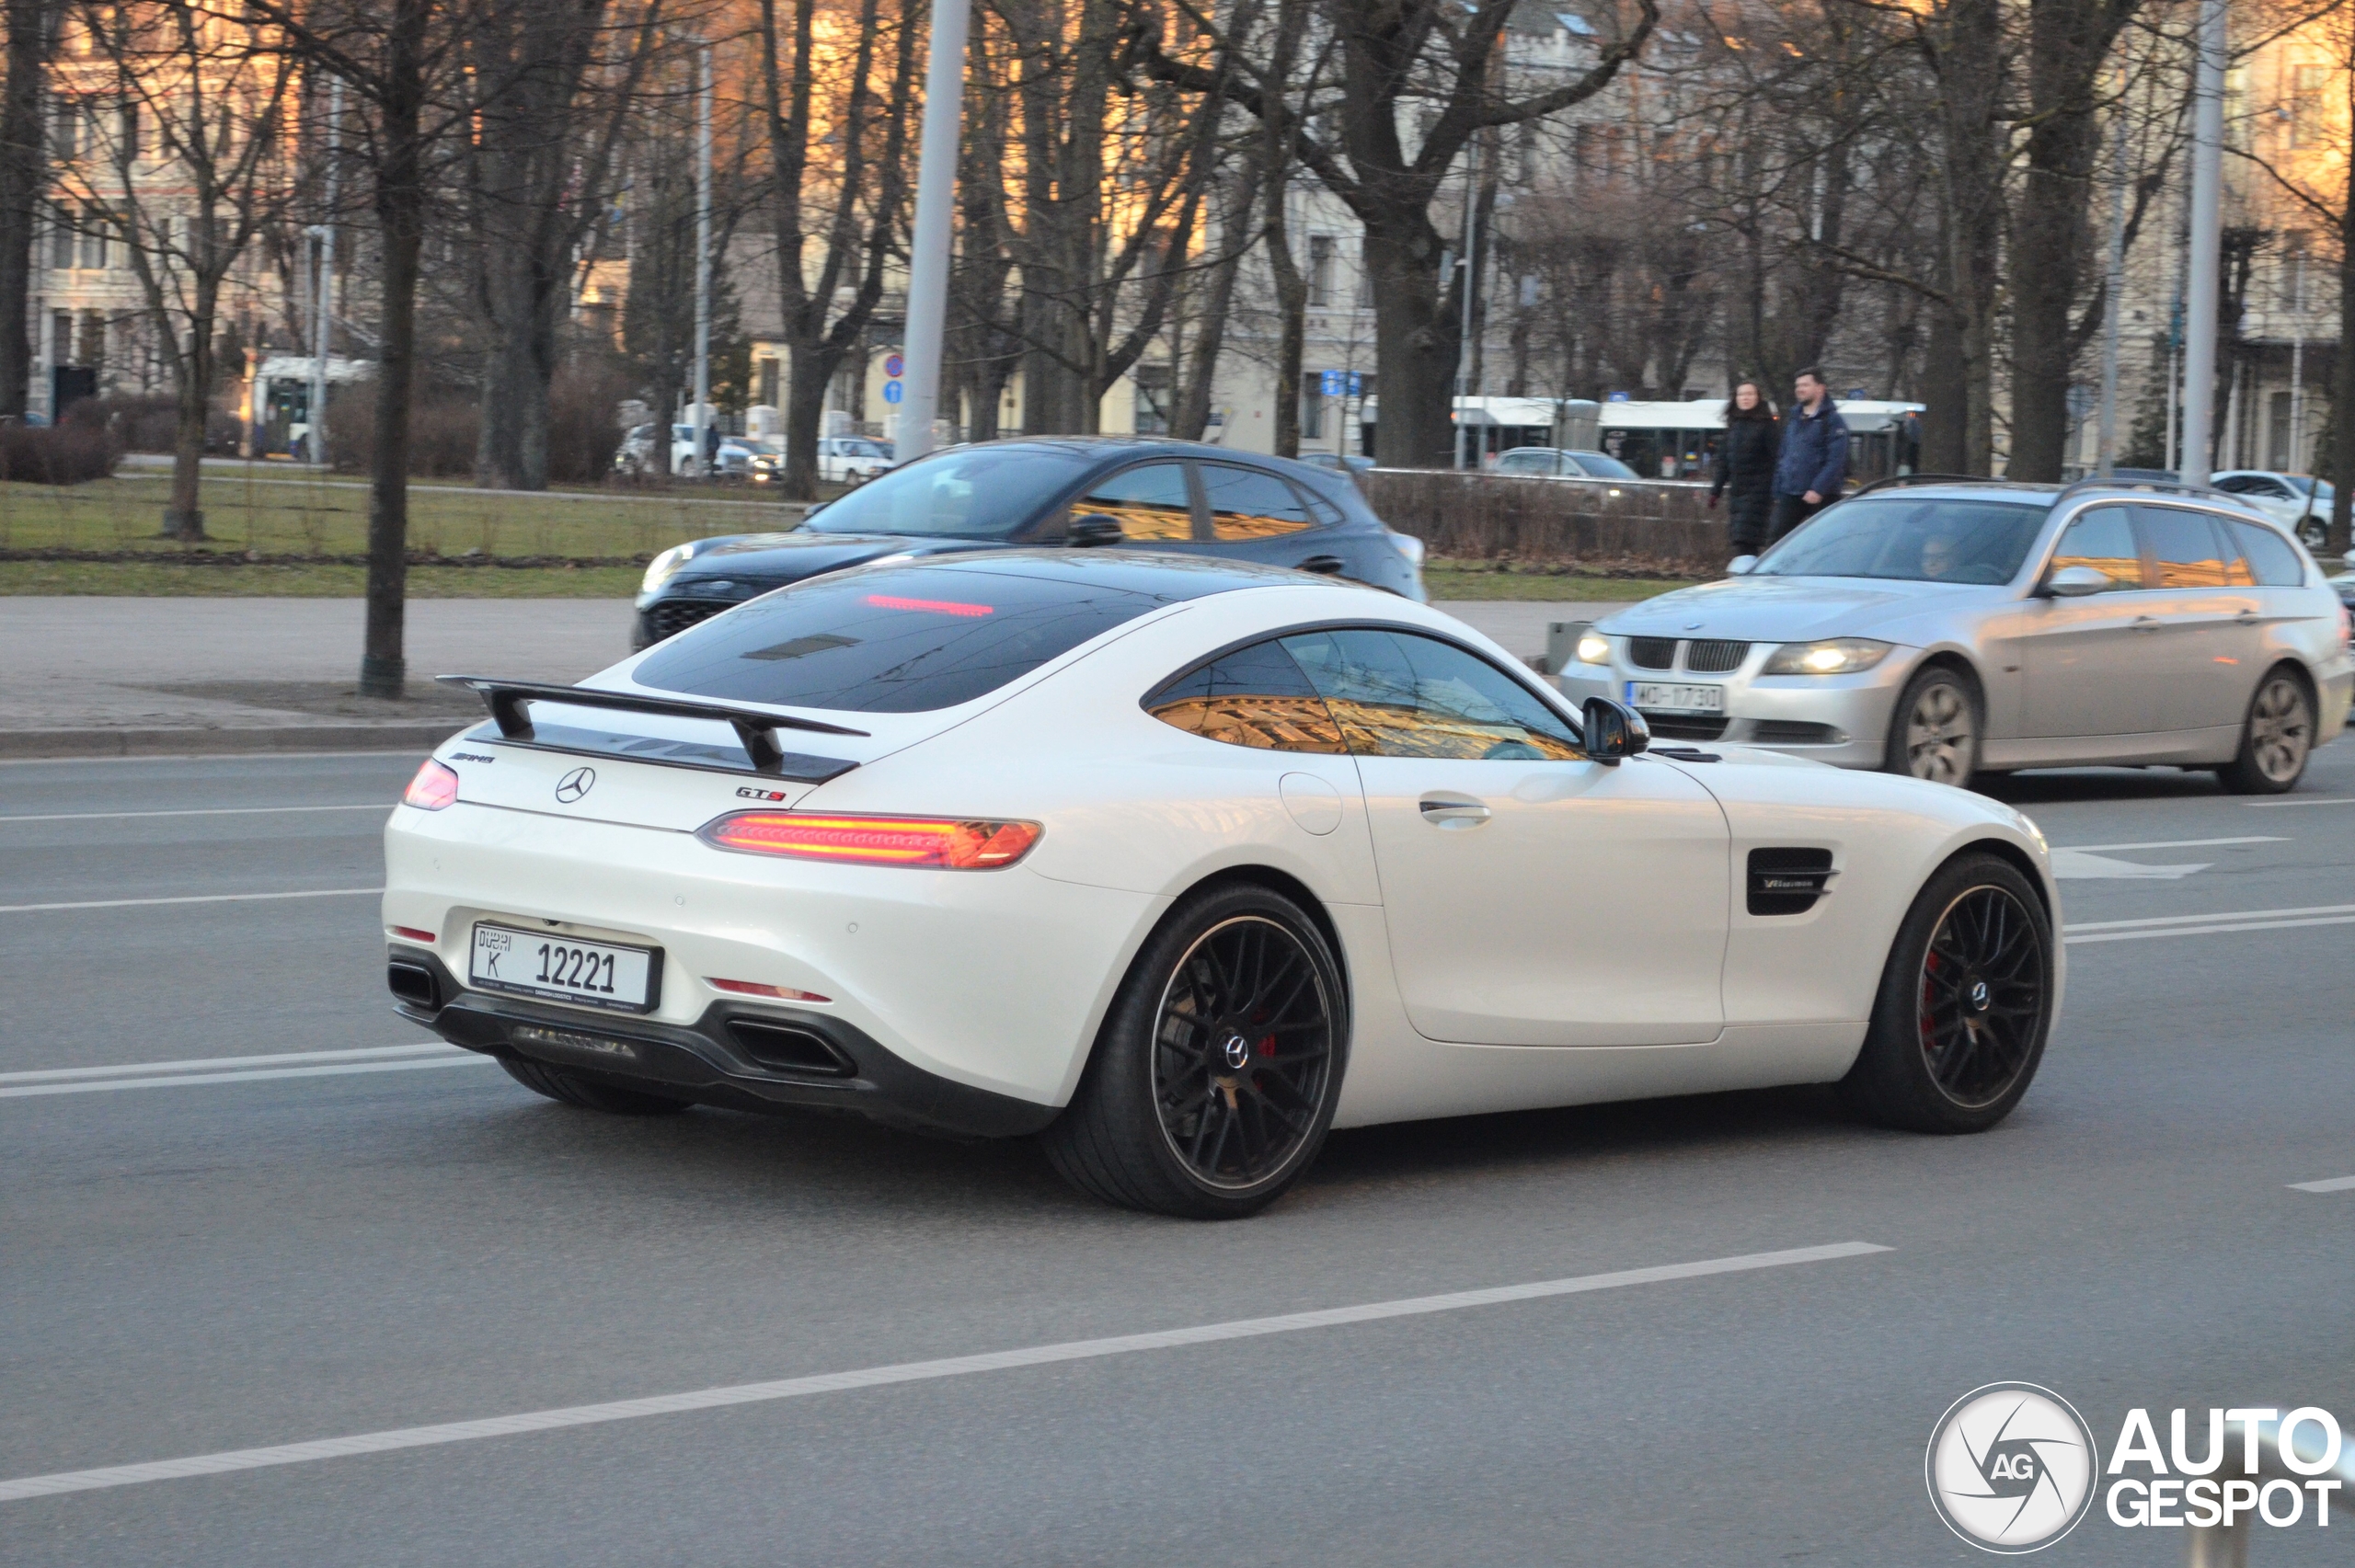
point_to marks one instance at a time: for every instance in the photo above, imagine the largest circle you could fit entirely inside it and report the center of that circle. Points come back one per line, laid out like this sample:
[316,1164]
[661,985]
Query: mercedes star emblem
[575,784]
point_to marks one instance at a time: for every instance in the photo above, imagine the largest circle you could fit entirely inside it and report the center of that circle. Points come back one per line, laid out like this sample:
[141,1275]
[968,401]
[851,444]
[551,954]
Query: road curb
[25,745]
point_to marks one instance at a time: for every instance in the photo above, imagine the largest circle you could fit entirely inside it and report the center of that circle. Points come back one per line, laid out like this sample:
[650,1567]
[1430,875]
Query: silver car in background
[1950,628]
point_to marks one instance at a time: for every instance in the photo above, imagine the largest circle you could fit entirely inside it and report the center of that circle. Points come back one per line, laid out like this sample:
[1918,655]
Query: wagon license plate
[1670,697]
[592,974]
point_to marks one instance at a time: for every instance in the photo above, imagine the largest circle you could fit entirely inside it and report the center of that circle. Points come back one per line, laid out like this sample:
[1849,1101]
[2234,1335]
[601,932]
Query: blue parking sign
[893,391]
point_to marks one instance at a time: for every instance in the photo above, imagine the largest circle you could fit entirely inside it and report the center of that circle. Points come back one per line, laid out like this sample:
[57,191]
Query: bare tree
[23,172]
[196,162]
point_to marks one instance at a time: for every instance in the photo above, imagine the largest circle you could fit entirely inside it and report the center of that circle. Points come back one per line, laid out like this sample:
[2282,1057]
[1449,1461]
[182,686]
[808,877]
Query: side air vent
[1787,882]
[414,984]
[788,1048]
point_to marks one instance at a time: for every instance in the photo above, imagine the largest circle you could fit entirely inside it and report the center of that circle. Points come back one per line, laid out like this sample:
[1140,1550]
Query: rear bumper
[739,1056]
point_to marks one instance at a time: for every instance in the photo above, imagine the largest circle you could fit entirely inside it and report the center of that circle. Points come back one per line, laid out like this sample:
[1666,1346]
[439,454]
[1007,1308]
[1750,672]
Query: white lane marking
[2080,865]
[92,1086]
[2335,1185]
[903,1372]
[215,1064]
[2170,844]
[2212,916]
[385,806]
[2209,930]
[192,899]
[2335,800]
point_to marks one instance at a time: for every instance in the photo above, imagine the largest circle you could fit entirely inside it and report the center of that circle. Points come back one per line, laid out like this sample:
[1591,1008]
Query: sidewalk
[94,677]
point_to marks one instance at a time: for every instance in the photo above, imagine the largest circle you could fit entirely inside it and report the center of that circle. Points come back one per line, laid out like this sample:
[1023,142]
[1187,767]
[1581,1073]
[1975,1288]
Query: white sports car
[1178,863]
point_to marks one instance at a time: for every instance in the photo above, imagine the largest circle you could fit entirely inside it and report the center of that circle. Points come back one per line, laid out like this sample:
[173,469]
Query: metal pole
[1471,273]
[929,249]
[2207,245]
[703,259]
[2297,362]
[2106,453]
[323,295]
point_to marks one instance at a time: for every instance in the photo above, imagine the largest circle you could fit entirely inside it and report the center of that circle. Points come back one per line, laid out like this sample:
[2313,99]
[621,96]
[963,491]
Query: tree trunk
[1191,418]
[2342,382]
[22,167]
[1292,318]
[184,520]
[511,449]
[1415,338]
[400,215]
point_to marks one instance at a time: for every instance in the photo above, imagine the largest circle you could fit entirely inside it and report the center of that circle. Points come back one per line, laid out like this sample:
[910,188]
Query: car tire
[589,1094]
[1208,1093]
[2313,532]
[1965,1004]
[2277,739]
[1934,731]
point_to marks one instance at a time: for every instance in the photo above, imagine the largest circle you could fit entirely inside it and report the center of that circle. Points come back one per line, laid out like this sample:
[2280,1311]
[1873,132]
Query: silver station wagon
[1952,628]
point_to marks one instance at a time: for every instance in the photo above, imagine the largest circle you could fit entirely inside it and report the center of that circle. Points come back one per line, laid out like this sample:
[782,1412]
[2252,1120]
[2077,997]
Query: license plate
[590,974]
[1665,696]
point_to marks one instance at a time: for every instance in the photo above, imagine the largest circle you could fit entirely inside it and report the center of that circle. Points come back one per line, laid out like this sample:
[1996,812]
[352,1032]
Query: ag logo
[575,784]
[2011,1468]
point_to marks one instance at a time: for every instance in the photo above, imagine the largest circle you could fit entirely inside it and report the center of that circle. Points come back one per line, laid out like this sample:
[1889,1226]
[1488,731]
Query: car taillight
[937,843]
[2346,628]
[434,787]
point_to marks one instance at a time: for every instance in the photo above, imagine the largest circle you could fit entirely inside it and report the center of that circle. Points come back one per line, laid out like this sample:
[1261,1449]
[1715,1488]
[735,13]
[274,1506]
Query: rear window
[910,639]
[1921,539]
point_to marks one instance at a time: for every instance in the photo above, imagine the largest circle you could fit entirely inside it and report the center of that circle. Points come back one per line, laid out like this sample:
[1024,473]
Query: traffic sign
[894,391]
[894,366]
[1616,397]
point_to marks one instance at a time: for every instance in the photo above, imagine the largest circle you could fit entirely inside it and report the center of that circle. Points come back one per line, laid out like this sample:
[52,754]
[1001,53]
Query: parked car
[1945,629]
[2299,499]
[1073,491]
[853,460]
[1555,463]
[636,453]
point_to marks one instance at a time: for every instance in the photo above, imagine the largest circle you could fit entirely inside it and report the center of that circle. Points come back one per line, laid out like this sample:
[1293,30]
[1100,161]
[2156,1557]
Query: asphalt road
[197,1260]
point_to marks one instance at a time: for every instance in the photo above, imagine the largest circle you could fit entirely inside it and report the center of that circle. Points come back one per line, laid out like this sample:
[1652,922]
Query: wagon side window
[1254,696]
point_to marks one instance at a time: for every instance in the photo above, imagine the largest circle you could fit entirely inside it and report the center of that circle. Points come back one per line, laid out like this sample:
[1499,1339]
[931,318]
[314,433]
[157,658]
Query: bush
[445,427]
[150,424]
[66,454]
[1489,517]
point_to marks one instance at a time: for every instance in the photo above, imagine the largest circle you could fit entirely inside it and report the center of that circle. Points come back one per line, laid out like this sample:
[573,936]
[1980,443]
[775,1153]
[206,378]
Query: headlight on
[1836,656]
[664,566]
[1593,650]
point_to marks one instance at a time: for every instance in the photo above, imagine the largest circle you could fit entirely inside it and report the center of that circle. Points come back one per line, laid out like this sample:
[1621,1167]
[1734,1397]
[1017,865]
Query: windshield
[1602,465]
[1912,539]
[983,492]
[2307,484]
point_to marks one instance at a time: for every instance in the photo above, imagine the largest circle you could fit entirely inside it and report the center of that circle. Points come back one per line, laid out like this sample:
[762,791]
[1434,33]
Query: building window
[2308,116]
[128,128]
[93,347]
[65,125]
[61,338]
[1323,259]
[61,240]
[1365,280]
[1153,405]
[94,240]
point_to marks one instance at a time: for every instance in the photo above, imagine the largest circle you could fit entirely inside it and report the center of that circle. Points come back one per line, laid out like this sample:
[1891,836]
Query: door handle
[2145,624]
[2246,616]
[1443,811]
[1329,564]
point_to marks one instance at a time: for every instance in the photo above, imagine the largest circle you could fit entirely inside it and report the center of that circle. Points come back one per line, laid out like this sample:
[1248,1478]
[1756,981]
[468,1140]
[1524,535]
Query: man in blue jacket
[1814,458]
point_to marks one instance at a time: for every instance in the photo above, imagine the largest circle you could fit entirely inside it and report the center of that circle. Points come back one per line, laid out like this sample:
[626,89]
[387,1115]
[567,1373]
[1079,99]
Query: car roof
[1139,571]
[2117,488]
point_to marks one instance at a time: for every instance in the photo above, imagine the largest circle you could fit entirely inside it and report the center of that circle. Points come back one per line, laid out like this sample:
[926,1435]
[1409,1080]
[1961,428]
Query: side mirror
[1094,530]
[1614,731]
[2077,582]
[1741,565]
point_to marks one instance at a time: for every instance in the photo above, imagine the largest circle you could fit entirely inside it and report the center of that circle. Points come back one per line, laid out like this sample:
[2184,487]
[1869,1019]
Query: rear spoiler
[509,705]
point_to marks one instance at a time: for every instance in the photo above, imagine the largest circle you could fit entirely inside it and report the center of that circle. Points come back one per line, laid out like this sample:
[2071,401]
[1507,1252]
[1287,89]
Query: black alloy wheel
[1213,1081]
[1983,996]
[1242,1052]
[1965,1004]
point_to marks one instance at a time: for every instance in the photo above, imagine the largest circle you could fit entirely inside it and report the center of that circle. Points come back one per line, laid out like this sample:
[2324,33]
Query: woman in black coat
[1746,467]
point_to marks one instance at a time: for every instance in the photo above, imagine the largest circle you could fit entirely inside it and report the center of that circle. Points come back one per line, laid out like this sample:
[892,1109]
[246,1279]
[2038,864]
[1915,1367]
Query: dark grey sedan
[1073,491]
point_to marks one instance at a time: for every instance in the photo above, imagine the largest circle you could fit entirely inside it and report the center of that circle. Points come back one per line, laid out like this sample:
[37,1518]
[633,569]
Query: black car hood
[770,559]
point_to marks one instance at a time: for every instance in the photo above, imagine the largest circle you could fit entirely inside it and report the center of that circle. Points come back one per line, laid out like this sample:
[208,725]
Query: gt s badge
[575,784]
[760,795]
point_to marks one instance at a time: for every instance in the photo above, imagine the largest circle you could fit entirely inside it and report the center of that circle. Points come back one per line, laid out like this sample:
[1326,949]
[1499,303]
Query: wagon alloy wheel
[1965,1003]
[1940,739]
[1214,1079]
[2277,740]
[1240,1056]
[1982,997]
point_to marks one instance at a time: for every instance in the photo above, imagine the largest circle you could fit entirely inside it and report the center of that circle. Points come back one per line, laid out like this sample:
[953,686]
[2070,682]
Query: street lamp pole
[929,249]
[2106,455]
[696,465]
[323,294]
[2207,245]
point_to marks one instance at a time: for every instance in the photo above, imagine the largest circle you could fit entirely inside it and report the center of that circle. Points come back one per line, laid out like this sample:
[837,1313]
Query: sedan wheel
[1214,1081]
[2313,533]
[1935,736]
[1965,1004]
[2277,740]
